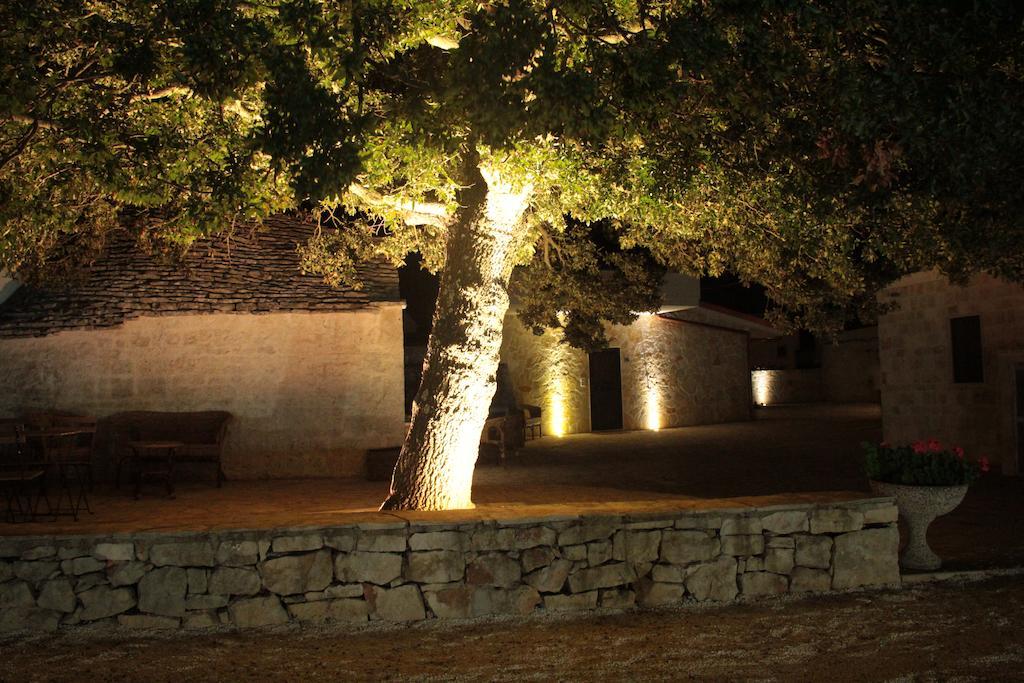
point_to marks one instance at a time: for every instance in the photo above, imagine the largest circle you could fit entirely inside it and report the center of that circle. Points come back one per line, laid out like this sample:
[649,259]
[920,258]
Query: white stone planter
[919,506]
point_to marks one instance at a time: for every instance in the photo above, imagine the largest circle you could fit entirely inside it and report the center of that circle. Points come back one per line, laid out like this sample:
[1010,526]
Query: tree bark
[435,468]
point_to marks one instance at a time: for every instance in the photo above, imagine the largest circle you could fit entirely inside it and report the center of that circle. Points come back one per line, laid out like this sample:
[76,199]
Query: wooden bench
[201,434]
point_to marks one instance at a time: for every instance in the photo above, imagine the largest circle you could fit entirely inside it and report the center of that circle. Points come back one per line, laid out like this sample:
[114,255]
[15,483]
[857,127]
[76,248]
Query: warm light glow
[558,414]
[762,380]
[653,408]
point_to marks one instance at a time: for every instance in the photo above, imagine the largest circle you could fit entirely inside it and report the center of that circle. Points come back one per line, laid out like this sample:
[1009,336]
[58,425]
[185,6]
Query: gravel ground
[933,632]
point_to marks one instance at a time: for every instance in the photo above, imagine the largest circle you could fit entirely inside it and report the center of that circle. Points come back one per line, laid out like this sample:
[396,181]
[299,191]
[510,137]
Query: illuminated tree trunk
[435,468]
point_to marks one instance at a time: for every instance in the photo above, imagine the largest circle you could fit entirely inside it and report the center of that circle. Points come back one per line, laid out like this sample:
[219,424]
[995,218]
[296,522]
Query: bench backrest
[197,427]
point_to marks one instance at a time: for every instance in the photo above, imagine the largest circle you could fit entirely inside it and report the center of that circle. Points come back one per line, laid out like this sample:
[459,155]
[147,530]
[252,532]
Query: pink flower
[919,447]
[885,444]
[958,452]
[934,446]
[983,462]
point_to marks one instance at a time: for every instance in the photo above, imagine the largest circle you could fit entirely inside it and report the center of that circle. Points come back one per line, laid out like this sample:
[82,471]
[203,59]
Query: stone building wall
[310,392]
[674,373]
[850,369]
[409,571]
[919,397]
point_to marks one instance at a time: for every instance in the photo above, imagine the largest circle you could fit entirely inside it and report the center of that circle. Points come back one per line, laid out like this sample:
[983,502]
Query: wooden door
[605,390]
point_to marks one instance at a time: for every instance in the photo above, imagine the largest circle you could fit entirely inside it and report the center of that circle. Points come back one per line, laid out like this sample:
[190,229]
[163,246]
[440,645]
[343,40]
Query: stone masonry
[409,572]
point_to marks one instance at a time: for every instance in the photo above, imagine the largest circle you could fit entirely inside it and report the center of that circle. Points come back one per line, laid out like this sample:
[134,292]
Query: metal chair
[19,476]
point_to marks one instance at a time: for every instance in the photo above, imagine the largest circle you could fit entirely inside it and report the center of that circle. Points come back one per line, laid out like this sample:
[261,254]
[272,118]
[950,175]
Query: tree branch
[413,213]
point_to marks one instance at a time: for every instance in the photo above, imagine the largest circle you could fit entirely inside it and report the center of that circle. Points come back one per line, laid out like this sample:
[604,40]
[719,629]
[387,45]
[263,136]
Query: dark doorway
[605,390]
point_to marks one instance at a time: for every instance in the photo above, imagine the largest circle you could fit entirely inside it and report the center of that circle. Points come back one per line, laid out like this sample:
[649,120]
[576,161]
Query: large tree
[819,148]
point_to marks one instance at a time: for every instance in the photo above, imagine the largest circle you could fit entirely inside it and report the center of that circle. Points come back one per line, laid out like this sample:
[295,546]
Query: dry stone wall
[412,571]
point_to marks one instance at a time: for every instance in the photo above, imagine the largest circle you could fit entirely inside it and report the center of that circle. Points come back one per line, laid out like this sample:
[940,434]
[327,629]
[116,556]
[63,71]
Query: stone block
[576,553]
[642,546]
[487,601]
[345,542]
[836,520]
[197,620]
[102,602]
[15,594]
[605,576]
[147,622]
[685,547]
[38,552]
[235,581]
[599,552]
[657,594]
[198,579]
[435,566]
[297,544]
[162,591]
[395,604]
[669,573]
[713,580]
[887,514]
[780,542]
[82,565]
[617,598]
[531,537]
[34,572]
[786,522]
[293,574]
[381,541]
[205,602]
[490,538]
[743,545]
[6,571]
[698,521]
[57,595]
[34,619]
[495,569]
[453,602]
[114,552]
[437,540]
[807,580]
[753,564]
[566,603]
[866,558]
[330,610]
[260,611]
[351,590]
[813,551]
[550,579]
[184,554]
[760,584]
[126,573]
[741,526]
[778,560]
[585,532]
[377,568]
[536,557]
[69,550]
[87,581]
[237,553]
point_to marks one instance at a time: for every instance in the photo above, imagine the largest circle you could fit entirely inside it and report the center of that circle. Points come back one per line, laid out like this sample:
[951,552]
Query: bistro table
[154,460]
[61,453]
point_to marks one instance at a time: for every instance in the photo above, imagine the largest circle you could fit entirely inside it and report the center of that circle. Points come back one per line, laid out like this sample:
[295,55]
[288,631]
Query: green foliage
[819,148]
[921,464]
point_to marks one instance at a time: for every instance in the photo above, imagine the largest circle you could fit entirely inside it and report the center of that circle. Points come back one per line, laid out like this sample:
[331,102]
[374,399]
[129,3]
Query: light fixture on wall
[762,387]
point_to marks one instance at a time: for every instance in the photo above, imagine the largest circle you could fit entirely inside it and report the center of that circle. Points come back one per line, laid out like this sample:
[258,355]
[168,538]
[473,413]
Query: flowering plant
[922,463]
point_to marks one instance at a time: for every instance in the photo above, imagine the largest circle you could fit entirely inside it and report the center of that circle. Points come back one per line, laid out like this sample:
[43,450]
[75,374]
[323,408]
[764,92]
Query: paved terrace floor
[787,454]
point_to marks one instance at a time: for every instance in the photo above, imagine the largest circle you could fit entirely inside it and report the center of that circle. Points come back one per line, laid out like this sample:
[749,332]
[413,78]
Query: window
[966,337]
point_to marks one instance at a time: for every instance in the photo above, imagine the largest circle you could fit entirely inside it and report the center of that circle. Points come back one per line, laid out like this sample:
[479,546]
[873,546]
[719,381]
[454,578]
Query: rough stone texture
[82,565]
[397,604]
[28,619]
[881,515]
[550,579]
[330,610]
[237,553]
[836,520]
[813,551]
[297,573]
[185,554]
[34,572]
[807,580]
[487,601]
[205,602]
[669,573]
[713,580]
[786,522]
[101,602]
[743,545]
[655,594]
[756,584]
[39,552]
[114,552]
[598,553]
[490,538]
[197,620]
[198,580]
[6,572]
[605,576]
[617,598]
[147,622]
[683,547]
[386,542]
[261,611]
[297,544]
[15,594]
[126,573]
[575,553]
[531,537]
[564,603]
[234,581]
[866,558]
[642,546]
[741,526]
[536,557]
[57,595]
[163,590]
[493,569]
[345,542]
[87,581]
[378,568]
[778,560]
[437,540]
[435,566]
[584,533]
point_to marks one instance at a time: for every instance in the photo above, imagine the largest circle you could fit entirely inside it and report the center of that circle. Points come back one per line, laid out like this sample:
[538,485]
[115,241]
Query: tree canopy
[819,148]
